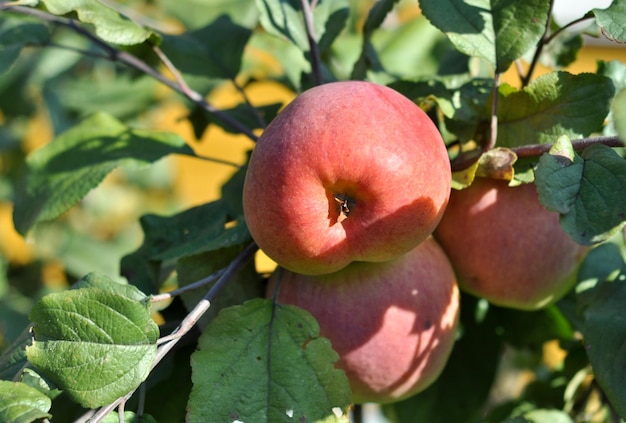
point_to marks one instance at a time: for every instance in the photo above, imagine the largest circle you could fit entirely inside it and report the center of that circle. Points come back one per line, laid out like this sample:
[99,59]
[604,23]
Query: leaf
[110,25]
[604,331]
[547,416]
[499,31]
[95,343]
[589,191]
[244,285]
[262,362]
[284,18]
[20,403]
[242,12]
[619,113]
[368,56]
[251,117]
[167,238]
[17,32]
[65,170]
[552,105]
[213,51]
[129,417]
[612,21]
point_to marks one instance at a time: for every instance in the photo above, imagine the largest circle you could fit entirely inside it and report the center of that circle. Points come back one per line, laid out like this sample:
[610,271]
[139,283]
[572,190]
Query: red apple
[348,171]
[506,247]
[393,324]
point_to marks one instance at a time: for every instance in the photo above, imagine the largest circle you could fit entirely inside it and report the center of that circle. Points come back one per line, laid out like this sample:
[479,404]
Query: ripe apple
[348,171]
[506,247]
[393,324]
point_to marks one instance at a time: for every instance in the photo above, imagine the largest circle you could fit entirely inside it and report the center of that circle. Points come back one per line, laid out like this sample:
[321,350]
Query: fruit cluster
[348,190]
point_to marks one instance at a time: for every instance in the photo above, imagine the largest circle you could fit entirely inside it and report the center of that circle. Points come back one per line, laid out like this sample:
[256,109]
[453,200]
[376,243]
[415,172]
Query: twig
[188,322]
[535,150]
[190,287]
[493,127]
[129,60]
[540,45]
[316,67]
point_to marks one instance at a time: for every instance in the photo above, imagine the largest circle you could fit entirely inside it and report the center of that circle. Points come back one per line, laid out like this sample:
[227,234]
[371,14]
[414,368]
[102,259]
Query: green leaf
[547,416]
[552,105]
[122,96]
[17,32]
[612,20]
[251,117]
[194,231]
[589,191]
[284,18]
[619,113]
[20,403]
[65,170]
[499,31]
[242,12]
[262,362]
[95,343]
[244,285]
[110,25]
[213,51]
[129,417]
[604,331]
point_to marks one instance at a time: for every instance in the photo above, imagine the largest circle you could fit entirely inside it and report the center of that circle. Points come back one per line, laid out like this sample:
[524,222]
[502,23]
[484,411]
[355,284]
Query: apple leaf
[619,113]
[554,104]
[97,343]
[65,170]
[589,191]
[198,230]
[244,285]
[242,12]
[604,331]
[214,51]
[284,19]
[612,20]
[499,31]
[262,361]
[129,417]
[110,25]
[16,32]
[20,403]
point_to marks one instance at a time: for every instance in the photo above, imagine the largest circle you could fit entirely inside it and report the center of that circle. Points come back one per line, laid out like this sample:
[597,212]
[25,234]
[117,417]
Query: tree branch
[540,45]
[536,150]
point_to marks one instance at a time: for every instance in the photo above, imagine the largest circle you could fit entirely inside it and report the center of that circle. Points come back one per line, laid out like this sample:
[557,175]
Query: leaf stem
[493,128]
[314,48]
[188,322]
[115,55]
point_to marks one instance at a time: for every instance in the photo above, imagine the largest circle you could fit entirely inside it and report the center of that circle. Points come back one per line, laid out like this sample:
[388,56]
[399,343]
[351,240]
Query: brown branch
[316,66]
[536,150]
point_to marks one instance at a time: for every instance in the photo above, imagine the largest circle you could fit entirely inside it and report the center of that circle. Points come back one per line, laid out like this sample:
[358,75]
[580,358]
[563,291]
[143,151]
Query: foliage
[96,284]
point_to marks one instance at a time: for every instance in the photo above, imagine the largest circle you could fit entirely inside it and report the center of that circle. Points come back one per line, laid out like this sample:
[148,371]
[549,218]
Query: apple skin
[506,247]
[348,171]
[393,324]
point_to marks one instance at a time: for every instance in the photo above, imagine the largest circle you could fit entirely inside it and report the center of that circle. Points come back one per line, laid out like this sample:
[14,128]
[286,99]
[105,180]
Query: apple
[506,247]
[393,324]
[348,171]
